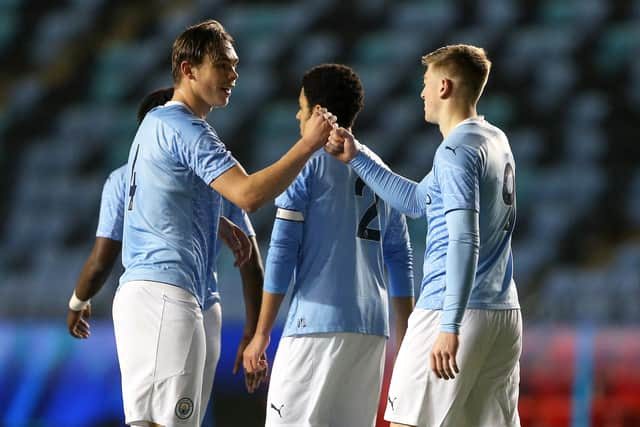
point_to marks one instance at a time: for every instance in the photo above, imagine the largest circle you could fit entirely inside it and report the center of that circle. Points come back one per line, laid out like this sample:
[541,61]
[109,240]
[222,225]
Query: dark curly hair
[337,88]
[155,98]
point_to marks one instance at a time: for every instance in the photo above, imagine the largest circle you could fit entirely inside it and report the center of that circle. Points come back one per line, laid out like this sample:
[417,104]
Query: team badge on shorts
[184,408]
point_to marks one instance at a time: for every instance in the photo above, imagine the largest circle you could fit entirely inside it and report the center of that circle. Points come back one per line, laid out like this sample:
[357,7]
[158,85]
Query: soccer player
[467,325]
[176,158]
[338,237]
[107,247]
[108,241]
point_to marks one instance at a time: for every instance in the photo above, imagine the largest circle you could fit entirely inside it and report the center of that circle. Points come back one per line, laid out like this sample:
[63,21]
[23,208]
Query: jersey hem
[167,277]
[310,331]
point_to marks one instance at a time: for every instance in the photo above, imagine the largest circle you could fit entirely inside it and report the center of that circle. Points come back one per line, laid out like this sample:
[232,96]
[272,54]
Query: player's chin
[220,101]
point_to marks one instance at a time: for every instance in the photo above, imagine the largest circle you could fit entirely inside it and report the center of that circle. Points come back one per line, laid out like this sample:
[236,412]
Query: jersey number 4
[133,186]
[369,215]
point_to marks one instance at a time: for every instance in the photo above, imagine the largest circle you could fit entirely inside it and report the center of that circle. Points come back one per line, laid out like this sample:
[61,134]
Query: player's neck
[199,109]
[453,115]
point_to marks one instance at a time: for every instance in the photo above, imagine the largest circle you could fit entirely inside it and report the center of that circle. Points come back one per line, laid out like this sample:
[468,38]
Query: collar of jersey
[170,103]
[477,119]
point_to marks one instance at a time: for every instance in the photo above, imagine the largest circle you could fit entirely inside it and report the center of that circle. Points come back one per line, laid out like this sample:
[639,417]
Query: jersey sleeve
[111,217]
[461,266]
[207,156]
[457,168]
[286,237]
[239,218]
[401,193]
[398,256]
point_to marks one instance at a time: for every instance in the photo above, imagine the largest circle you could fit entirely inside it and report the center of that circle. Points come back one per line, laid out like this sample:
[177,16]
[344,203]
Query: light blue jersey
[473,170]
[171,213]
[110,223]
[337,236]
[112,205]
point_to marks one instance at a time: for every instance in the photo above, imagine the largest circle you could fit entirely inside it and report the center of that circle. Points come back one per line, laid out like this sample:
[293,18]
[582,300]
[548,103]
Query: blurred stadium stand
[565,87]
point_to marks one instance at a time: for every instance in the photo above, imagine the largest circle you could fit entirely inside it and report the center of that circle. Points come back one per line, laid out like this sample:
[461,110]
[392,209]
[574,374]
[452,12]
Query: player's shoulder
[318,160]
[118,172]
[469,139]
[117,176]
[325,167]
[477,132]
[177,118]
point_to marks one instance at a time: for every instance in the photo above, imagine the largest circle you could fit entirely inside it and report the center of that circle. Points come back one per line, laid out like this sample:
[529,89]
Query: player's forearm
[398,191]
[268,312]
[92,278]
[460,268]
[402,308]
[97,267]
[268,183]
[252,274]
[399,263]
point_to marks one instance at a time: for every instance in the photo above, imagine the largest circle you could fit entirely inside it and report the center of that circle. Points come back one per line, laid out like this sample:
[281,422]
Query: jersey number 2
[369,215]
[509,194]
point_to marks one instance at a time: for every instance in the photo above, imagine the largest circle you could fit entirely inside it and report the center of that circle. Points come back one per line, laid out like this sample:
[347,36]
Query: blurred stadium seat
[565,87]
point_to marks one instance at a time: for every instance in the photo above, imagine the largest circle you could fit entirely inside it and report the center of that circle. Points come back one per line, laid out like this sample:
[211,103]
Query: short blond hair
[469,64]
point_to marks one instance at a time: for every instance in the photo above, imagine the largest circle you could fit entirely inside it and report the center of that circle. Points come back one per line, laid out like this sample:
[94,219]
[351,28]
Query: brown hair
[206,39]
[467,63]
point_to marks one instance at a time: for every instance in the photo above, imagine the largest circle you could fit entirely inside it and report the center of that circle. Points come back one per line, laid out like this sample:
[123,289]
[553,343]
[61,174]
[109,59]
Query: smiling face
[212,81]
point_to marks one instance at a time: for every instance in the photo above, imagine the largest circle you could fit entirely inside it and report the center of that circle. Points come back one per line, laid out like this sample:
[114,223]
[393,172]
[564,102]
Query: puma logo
[275,408]
[453,150]
[392,402]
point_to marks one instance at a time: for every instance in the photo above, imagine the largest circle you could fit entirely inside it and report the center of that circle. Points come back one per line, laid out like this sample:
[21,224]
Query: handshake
[322,129]
[342,145]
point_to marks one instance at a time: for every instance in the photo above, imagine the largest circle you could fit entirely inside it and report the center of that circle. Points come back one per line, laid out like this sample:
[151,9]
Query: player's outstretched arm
[401,193]
[342,145]
[249,192]
[92,277]
[252,274]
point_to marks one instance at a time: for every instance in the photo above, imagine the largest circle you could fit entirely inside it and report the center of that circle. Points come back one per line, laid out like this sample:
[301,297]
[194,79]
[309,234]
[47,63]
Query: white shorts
[163,347]
[212,335]
[483,394]
[323,380]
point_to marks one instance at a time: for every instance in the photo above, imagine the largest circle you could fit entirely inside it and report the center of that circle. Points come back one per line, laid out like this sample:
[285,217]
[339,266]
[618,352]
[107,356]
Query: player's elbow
[250,201]
[252,207]
[249,205]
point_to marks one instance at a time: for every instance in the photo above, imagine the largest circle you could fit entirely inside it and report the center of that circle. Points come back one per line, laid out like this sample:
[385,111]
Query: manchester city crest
[184,408]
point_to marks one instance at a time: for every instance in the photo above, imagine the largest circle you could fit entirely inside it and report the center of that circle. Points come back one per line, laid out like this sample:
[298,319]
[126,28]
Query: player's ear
[446,88]
[186,69]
